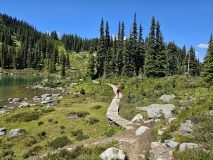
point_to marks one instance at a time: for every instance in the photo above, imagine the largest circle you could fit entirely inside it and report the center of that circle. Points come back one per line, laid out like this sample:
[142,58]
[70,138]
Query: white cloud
[202,45]
[196,53]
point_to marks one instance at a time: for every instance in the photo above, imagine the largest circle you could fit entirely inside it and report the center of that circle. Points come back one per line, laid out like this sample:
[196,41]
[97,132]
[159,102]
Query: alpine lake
[20,86]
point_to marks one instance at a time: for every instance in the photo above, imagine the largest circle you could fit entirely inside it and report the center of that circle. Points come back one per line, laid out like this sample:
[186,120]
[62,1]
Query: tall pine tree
[150,52]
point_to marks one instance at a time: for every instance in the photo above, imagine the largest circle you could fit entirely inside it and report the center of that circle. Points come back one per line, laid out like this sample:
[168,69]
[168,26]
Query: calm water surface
[14,86]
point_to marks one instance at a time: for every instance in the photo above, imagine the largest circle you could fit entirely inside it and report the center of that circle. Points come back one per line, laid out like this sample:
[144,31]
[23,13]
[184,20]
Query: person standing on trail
[117,92]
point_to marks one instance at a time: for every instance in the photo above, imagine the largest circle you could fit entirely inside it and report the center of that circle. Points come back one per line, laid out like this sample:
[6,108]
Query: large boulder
[137,118]
[24,105]
[141,130]
[16,100]
[3,131]
[171,144]
[16,132]
[158,110]
[44,96]
[184,146]
[112,153]
[186,128]
[167,98]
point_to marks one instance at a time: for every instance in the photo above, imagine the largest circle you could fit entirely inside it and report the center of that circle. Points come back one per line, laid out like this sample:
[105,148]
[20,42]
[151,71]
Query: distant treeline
[134,55]
[22,46]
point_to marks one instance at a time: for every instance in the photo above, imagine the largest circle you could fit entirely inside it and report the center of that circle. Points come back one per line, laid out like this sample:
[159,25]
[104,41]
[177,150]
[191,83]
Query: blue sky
[186,22]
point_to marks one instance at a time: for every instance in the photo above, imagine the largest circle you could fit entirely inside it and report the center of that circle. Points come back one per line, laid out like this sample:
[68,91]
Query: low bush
[92,120]
[96,107]
[24,117]
[81,114]
[165,136]
[75,133]
[42,135]
[195,154]
[31,141]
[59,142]
[32,152]
[109,133]
[40,123]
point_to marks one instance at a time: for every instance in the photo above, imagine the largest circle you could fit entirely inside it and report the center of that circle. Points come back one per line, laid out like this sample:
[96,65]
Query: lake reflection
[14,86]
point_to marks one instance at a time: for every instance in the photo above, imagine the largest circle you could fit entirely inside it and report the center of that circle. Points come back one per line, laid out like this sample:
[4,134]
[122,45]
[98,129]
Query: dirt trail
[134,145]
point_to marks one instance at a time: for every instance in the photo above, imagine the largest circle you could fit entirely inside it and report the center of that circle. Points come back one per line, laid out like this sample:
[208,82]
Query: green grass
[93,125]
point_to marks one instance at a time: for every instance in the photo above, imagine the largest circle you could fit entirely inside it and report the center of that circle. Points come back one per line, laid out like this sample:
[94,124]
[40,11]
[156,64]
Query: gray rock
[171,119]
[186,128]
[137,118]
[171,144]
[157,110]
[3,111]
[24,105]
[56,95]
[10,99]
[167,98]
[211,112]
[148,121]
[112,153]
[16,99]
[184,146]
[2,133]
[46,102]
[44,96]
[3,129]
[155,145]
[48,98]
[16,132]
[141,130]
[74,84]
[160,132]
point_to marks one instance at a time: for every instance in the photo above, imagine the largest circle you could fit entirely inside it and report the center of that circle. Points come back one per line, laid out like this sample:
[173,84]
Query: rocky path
[135,145]
[112,112]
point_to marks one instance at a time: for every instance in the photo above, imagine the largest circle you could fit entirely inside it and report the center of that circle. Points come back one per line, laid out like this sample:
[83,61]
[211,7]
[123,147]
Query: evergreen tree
[140,52]
[120,49]
[160,53]
[63,61]
[108,55]
[129,57]
[100,58]
[150,52]
[172,59]
[208,65]
[91,63]
[211,39]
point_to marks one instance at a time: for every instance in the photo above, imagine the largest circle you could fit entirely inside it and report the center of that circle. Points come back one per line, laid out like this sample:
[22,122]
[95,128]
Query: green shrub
[31,141]
[42,135]
[165,136]
[81,137]
[109,133]
[158,86]
[49,110]
[40,123]
[81,114]
[24,117]
[75,133]
[62,127]
[59,142]
[82,91]
[96,107]
[154,134]
[32,152]
[195,154]
[50,120]
[92,120]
